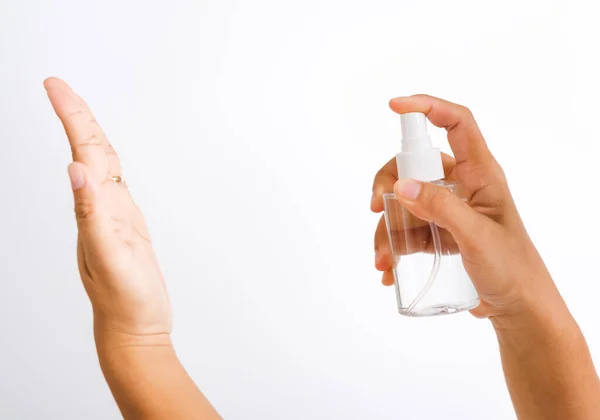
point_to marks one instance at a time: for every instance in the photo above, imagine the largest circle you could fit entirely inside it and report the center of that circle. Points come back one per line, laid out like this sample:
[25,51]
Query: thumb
[85,193]
[437,204]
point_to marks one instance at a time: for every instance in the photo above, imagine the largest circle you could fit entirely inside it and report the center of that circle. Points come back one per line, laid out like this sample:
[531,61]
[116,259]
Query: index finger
[88,143]
[464,136]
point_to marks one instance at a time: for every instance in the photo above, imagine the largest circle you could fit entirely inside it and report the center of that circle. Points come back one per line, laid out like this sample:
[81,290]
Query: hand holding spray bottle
[429,275]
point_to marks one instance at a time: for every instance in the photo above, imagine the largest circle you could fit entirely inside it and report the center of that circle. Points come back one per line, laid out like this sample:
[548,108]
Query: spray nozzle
[418,158]
[414,132]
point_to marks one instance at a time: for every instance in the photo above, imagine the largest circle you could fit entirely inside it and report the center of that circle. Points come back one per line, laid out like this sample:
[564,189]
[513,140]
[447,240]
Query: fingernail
[408,188]
[76,176]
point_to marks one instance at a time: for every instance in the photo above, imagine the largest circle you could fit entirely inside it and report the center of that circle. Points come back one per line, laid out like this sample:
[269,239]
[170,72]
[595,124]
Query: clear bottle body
[429,275]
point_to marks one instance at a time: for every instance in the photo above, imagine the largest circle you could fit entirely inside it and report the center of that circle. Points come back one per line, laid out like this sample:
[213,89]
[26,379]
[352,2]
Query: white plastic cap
[418,159]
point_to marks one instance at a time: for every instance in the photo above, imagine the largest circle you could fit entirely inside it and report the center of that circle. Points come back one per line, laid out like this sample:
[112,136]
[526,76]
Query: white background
[250,132]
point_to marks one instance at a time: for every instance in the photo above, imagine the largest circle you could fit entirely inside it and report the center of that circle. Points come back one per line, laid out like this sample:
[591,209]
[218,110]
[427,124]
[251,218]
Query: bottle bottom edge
[443,309]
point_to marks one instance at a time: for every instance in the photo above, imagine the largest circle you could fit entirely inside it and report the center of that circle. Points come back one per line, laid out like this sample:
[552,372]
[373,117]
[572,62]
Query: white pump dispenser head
[418,159]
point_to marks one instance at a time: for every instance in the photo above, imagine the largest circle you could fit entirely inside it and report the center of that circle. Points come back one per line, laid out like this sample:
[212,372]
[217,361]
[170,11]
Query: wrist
[534,300]
[137,366]
[541,318]
[122,353]
[110,338]
[125,330]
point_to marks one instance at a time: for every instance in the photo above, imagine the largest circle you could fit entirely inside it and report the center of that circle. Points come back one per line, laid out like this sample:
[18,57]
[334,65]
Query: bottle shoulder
[446,184]
[455,187]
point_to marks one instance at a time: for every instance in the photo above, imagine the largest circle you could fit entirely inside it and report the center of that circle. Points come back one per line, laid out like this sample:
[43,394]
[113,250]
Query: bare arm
[118,267]
[547,363]
[148,381]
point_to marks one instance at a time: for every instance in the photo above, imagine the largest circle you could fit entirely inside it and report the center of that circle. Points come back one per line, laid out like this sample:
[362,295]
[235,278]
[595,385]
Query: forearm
[148,381]
[547,363]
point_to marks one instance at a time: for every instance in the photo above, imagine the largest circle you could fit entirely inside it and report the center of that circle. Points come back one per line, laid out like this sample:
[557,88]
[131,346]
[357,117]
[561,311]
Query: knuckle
[381,236]
[421,95]
[465,112]
[109,150]
[499,174]
[85,208]
[74,113]
[380,173]
[92,140]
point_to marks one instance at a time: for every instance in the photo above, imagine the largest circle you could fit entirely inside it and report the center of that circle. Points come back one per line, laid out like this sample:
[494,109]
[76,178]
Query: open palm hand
[115,255]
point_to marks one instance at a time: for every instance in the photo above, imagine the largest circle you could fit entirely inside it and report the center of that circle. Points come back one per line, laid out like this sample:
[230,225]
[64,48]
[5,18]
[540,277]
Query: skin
[547,364]
[548,368]
[118,267]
